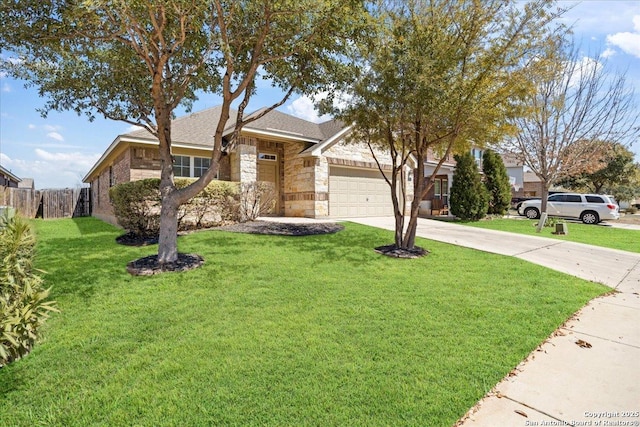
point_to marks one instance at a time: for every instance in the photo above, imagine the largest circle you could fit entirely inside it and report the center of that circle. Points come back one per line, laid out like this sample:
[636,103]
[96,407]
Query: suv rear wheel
[589,217]
[532,213]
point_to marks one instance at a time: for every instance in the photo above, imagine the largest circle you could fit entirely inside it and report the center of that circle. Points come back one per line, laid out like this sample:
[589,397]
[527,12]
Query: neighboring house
[524,183]
[444,178]
[27,183]
[516,173]
[316,170]
[7,179]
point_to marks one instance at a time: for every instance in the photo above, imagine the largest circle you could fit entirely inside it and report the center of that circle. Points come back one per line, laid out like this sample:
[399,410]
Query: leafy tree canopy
[436,77]
[137,60]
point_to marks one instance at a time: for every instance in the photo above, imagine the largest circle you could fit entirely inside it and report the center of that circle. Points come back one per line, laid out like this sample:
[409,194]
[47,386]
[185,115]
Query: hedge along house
[316,171]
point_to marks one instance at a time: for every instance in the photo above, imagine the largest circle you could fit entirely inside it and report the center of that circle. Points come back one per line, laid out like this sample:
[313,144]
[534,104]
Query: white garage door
[358,193]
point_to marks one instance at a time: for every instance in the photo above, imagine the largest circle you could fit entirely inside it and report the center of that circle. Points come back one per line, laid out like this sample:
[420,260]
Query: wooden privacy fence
[47,204]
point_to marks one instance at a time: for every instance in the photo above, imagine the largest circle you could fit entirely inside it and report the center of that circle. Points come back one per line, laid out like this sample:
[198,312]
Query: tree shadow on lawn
[355,244]
[89,226]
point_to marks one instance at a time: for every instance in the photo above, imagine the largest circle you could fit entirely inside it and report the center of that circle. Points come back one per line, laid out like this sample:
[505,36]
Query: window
[573,198]
[182,166]
[112,178]
[190,167]
[556,198]
[265,156]
[477,156]
[440,189]
[594,199]
[200,166]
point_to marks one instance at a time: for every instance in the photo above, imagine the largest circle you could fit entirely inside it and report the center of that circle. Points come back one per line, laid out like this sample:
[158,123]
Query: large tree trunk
[170,197]
[418,194]
[168,239]
[399,216]
[543,206]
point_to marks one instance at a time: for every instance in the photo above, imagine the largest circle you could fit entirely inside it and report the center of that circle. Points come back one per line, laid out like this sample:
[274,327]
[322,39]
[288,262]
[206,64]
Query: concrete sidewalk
[588,372]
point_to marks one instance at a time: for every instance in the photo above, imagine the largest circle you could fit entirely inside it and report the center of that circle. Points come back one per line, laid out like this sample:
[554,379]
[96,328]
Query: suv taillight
[612,207]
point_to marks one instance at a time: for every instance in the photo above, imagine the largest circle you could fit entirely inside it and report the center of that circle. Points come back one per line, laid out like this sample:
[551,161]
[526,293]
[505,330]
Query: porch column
[247,157]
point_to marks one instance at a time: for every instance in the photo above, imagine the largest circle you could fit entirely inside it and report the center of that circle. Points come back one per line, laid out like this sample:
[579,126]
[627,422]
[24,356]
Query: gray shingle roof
[275,121]
[198,128]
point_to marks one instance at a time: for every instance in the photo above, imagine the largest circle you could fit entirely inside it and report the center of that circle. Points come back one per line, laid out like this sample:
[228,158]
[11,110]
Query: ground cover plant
[277,331]
[598,235]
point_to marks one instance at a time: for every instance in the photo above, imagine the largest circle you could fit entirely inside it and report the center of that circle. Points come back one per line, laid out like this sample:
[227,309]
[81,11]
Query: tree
[576,105]
[616,168]
[435,78]
[469,198]
[496,181]
[137,60]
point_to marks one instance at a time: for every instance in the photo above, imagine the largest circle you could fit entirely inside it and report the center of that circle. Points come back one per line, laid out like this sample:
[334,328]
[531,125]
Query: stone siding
[244,161]
[299,182]
[358,152]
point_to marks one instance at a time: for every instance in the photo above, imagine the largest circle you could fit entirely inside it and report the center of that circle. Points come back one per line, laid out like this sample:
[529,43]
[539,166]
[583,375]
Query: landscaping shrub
[217,203]
[550,222]
[469,199]
[496,180]
[136,205]
[23,308]
[257,198]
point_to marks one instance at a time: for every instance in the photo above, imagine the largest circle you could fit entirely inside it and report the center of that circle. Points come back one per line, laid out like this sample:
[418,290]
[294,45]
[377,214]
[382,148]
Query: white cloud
[51,169]
[52,128]
[629,42]
[133,128]
[6,87]
[303,107]
[56,136]
[58,170]
[5,160]
[608,53]
[31,126]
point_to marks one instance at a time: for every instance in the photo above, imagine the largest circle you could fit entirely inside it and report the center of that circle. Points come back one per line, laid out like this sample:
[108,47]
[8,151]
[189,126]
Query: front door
[268,172]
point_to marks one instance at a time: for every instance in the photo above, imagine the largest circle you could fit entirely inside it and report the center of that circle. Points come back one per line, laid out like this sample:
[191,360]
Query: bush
[23,308]
[496,180]
[469,199]
[256,199]
[550,222]
[136,205]
[217,203]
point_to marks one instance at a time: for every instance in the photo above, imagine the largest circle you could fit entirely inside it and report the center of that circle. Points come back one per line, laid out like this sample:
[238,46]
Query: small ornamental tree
[496,180]
[469,199]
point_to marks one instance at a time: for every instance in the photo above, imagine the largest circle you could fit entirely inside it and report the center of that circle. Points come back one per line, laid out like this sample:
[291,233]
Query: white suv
[589,208]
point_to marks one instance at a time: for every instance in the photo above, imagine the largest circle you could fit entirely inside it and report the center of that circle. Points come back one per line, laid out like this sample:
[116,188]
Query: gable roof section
[286,125]
[8,174]
[196,131]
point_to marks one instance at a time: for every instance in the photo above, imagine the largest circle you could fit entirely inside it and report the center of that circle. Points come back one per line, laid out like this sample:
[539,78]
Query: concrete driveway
[588,371]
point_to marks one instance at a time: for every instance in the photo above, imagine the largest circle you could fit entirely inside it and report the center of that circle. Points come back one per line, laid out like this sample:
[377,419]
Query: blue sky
[58,151]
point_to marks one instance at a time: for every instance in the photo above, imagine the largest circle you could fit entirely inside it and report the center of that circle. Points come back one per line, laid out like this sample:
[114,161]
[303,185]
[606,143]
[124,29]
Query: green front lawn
[598,235]
[277,331]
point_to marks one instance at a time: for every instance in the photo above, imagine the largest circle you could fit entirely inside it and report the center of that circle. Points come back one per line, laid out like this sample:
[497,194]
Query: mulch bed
[283,228]
[149,265]
[393,251]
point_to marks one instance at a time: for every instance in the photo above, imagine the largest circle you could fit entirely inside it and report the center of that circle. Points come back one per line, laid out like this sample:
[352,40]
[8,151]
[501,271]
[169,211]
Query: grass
[277,331]
[608,237]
